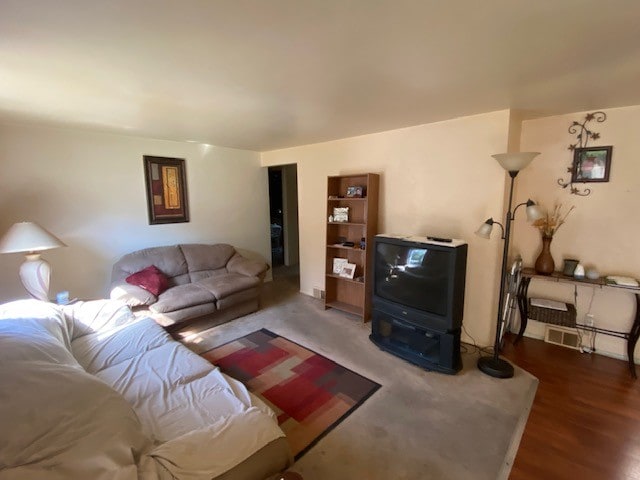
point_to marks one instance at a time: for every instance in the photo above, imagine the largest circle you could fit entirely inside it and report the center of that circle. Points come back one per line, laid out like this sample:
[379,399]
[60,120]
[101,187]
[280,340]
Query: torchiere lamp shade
[514,162]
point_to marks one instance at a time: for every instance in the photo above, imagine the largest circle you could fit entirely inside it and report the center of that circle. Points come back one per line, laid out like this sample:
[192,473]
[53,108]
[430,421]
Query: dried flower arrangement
[551,222]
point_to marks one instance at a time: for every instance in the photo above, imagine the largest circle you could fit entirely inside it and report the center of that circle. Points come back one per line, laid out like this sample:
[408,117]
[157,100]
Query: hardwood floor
[585,419]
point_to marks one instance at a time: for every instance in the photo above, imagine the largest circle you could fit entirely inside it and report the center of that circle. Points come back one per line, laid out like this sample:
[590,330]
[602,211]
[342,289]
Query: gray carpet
[419,425]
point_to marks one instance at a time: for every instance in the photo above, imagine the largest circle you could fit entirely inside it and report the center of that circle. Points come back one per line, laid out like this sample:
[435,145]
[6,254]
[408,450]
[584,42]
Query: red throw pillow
[151,279]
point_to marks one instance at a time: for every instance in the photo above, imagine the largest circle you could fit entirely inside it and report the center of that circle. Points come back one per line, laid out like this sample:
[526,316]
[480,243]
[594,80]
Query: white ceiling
[267,74]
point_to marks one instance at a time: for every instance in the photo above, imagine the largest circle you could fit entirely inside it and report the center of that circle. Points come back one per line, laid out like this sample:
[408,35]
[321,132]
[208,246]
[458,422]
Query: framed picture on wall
[591,164]
[166,184]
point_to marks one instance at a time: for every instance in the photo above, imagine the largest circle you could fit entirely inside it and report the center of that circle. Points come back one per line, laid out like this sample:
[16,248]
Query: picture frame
[338,263]
[354,191]
[166,186]
[591,164]
[341,214]
[348,270]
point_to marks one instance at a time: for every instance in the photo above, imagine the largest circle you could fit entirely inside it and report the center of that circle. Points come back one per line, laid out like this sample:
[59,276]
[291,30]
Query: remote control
[438,239]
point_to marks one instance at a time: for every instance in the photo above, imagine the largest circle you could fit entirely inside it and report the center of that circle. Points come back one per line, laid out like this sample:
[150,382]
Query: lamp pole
[494,366]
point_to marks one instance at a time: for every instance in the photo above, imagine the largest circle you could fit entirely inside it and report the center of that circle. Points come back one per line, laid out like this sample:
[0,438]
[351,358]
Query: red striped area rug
[309,393]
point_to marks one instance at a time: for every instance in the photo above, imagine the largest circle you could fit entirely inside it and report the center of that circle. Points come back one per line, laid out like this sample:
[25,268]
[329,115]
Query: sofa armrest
[244,266]
[132,295]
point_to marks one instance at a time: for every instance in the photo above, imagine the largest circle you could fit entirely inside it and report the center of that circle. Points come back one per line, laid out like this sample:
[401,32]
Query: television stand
[415,343]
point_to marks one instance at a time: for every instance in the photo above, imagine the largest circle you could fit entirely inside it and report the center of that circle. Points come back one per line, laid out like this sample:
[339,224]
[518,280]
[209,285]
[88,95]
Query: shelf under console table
[523,306]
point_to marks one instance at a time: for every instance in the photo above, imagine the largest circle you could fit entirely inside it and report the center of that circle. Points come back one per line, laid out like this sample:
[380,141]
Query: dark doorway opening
[276,208]
[283,209]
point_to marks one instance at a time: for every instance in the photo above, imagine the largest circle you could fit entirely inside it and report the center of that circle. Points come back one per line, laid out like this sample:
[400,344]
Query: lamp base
[495,367]
[35,274]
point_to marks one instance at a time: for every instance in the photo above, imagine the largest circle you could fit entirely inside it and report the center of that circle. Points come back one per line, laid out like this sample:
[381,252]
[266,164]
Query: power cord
[591,323]
[475,348]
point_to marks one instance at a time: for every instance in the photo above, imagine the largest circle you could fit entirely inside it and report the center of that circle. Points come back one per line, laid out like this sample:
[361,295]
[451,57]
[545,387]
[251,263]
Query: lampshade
[514,162]
[534,212]
[485,229]
[28,237]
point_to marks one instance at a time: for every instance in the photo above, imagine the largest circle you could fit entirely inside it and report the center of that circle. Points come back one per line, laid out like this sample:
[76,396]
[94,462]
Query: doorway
[283,210]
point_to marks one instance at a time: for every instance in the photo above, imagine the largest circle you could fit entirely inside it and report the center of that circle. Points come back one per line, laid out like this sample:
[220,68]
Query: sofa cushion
[169,260]
[216,448]
[182,296]
[97,316]
[132,295]
[245,266]
[168,319]
[150,278]
[104,349]
[224,285]
[59,421]
[238,298]
[202,274]
[42,326]
[201,257]
[148,382]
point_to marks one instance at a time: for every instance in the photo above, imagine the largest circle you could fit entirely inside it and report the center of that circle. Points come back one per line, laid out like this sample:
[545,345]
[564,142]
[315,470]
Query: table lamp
[31,238]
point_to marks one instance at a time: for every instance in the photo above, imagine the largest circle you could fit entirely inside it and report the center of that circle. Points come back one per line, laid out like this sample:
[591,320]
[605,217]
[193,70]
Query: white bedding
[145,405]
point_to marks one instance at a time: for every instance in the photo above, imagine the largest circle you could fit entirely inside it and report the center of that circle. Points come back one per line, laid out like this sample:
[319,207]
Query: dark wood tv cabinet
[416,343]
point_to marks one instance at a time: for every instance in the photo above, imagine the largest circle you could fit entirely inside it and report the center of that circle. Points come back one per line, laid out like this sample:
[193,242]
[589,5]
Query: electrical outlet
[589,320]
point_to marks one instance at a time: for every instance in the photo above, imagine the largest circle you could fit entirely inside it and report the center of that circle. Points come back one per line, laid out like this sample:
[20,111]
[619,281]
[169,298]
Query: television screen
[415,277]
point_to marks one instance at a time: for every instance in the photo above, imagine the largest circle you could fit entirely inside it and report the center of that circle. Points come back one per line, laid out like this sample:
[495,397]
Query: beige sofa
[204,280]
[89,391]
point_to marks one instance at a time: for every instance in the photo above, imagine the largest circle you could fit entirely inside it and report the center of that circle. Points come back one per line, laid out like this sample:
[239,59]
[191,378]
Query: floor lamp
[31,238]
[512,162]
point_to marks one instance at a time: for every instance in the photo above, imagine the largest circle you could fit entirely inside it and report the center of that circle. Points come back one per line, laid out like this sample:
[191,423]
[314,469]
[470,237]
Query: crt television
[420,280]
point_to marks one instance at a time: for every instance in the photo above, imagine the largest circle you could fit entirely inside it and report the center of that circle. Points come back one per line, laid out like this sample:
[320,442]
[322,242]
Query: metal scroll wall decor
[583,135]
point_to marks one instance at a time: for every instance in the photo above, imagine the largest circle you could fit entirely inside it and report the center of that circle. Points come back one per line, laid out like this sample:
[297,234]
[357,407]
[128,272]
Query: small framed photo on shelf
[354,191]
[348,270]
[341,214]
[338,263]
[591,164]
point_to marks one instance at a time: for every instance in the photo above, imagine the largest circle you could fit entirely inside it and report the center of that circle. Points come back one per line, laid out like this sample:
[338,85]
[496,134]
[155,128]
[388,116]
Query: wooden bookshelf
[351,295]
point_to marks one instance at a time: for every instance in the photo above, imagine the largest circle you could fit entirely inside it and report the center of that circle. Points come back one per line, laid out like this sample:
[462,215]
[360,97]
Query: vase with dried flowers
[548,226]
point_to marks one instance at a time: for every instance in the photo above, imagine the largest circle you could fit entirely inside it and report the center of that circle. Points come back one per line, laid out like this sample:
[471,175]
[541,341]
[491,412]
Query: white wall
[604,229]
[89,190]
[436,179]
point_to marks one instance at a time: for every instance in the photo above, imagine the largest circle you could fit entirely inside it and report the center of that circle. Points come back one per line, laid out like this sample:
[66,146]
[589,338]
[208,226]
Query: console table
[631,337]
